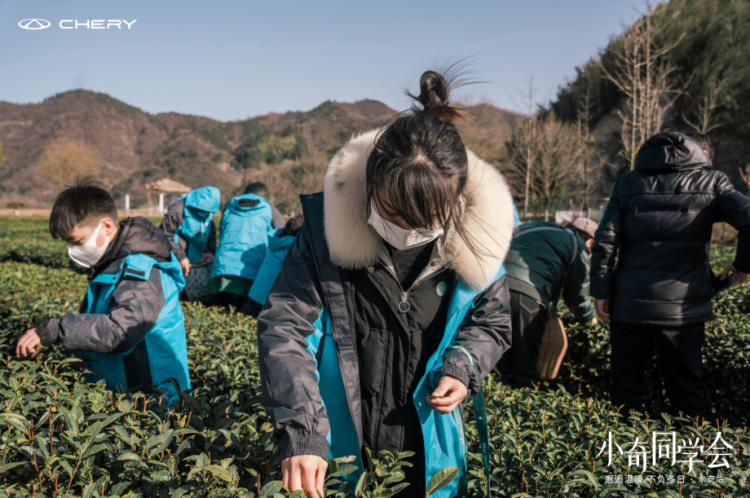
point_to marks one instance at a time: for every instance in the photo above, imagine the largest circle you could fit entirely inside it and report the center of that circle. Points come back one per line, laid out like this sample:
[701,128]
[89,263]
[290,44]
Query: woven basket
[198,281]
[553,348]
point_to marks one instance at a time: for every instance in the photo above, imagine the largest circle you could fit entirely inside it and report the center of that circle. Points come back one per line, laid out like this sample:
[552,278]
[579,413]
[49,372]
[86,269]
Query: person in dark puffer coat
[658,226]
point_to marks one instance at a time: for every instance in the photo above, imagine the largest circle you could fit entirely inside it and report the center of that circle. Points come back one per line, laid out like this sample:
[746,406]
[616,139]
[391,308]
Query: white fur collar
[353,243]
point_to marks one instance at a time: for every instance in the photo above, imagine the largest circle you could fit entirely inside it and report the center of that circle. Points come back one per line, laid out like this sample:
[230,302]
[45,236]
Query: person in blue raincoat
[391,304]
[130,330]
[278,245]
[246,224]
[189,224]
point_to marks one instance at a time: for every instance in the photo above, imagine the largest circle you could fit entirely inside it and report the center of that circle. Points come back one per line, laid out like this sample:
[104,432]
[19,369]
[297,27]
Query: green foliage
[726,357]
[60,434]
[715,46]
[271,148]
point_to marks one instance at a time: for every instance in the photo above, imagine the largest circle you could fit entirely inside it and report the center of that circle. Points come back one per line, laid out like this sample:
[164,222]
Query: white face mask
[87,255]
[398,237]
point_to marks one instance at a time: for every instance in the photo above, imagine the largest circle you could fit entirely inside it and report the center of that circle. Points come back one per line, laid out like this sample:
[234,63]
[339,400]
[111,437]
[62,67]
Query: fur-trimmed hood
[353,243]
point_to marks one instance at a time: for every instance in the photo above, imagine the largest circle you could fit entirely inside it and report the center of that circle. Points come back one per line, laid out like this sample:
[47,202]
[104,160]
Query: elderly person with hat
[545,262]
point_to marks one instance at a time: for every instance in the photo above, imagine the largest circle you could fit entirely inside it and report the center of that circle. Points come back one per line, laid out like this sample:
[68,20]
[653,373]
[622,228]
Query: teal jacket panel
[243,239]
[269,270]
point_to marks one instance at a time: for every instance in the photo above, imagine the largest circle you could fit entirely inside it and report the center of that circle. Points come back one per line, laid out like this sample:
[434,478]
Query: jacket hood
[204,198]
[137,235]
[671,151]
[247,202]
[488,215]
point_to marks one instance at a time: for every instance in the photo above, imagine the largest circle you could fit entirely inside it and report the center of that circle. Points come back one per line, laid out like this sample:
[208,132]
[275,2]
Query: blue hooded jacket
[245,228]
[131,330]
[269,270]
[200,205]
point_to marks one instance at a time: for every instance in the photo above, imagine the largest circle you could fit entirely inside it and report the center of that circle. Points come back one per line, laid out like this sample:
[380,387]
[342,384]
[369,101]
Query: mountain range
[136,147]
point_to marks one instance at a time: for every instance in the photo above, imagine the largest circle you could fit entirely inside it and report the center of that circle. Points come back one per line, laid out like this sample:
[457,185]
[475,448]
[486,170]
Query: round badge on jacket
[441,289]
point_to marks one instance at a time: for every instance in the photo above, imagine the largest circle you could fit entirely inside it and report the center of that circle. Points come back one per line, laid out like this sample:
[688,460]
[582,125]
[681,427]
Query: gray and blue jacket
[130,329]
[309,364]
[246,225]
[189,224]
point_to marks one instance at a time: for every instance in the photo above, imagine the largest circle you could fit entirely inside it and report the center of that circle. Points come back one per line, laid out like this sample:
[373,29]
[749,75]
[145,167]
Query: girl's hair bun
[435,90]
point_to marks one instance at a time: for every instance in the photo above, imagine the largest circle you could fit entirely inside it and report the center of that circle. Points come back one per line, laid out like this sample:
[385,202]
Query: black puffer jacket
[658,224]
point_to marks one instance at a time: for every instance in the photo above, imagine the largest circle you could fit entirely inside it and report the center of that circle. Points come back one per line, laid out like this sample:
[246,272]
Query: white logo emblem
[34,24]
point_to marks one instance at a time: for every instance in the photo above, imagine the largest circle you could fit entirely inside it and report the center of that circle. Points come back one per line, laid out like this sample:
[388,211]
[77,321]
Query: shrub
[61,435]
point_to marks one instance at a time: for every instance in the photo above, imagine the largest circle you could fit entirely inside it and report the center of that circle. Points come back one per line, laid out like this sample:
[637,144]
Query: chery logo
[34,24]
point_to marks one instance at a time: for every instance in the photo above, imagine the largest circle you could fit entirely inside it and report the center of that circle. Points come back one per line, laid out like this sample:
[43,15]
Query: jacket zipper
[403,305]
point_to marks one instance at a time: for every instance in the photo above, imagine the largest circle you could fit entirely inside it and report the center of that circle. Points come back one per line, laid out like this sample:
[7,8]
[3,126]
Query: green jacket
[536,266]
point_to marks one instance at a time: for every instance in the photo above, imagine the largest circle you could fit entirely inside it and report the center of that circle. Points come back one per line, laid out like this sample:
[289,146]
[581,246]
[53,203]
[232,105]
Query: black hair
[258,188]
[703,142]
[419,164]
[86,202]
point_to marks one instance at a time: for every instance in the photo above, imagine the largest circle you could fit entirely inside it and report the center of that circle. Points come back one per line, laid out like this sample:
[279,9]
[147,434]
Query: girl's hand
[305,472]
[449,393]
[736,277]
[602,309]
[185,265]
[28,343]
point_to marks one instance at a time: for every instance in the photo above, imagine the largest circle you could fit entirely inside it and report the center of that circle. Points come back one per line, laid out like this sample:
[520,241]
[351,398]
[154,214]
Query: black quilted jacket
[657,226]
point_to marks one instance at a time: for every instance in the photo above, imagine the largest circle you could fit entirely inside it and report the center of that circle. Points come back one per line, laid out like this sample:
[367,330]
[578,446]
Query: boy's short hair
[86,202]
[257,188]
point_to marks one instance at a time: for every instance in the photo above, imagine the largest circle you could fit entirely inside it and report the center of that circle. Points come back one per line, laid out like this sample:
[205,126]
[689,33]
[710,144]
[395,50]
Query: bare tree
[64,160]
[520,155]
[707,115]
[528,131]
[590,161]
[558,154]
[643,73]
[286,182]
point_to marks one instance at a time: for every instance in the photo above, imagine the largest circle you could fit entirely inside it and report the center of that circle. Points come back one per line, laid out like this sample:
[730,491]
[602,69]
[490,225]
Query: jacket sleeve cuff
[48,330]
[178,252]
[465,373]
[304,444]
[588,315]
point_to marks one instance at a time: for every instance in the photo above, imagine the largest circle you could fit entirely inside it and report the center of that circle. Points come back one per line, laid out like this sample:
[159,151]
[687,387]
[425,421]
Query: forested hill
[708,47]
[288,151]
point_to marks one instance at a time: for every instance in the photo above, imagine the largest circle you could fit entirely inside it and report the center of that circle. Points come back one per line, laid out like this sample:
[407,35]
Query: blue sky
[236,59]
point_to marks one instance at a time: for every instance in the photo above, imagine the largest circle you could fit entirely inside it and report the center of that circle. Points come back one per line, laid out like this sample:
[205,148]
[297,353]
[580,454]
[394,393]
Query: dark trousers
[251,308]
[679,353]
[517,367]
[225,299]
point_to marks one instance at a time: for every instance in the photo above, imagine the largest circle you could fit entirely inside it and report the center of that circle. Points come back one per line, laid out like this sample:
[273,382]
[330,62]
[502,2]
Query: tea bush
[726,357]
[62,436]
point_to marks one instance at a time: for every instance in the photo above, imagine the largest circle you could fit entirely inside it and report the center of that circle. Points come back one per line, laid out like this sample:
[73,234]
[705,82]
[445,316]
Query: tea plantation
[60,436]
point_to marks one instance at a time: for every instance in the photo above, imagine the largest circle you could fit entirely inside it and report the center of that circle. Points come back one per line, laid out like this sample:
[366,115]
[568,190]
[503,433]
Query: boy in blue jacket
[130,329]
[246,224]
[189,224]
